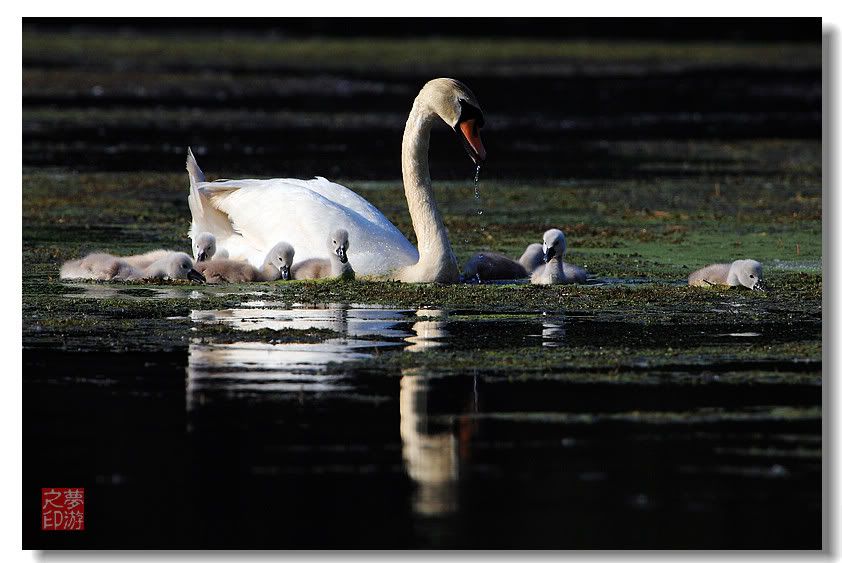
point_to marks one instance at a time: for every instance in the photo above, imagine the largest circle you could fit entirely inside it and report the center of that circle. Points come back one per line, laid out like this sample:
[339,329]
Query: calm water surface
[261,444]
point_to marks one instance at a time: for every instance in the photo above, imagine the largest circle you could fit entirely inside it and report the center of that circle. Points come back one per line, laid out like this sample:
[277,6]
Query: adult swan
[248,217]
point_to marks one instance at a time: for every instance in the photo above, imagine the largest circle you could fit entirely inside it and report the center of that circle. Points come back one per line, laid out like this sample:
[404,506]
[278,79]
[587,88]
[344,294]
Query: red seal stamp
[63,508]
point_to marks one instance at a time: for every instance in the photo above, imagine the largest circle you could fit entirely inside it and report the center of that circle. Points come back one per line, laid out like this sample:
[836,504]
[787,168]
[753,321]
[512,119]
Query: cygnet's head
[555,245]
[179,266]
[749,273]
[204,247]
[338,244]
[280,257]
[458,107]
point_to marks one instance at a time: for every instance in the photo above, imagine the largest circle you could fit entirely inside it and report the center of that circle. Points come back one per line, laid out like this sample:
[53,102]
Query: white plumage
[249,216]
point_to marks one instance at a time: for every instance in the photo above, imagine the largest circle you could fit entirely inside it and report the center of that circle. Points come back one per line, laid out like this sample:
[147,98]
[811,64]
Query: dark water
[545,118]
[563,133]
[254,444]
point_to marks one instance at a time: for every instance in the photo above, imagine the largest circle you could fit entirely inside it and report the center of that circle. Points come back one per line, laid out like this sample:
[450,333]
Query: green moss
[701,416]
[221,333]
[639,239]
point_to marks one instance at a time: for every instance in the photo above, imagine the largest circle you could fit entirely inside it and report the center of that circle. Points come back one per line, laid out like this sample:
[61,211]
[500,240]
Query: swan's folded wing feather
[346,198]
[266,212]
[206,217]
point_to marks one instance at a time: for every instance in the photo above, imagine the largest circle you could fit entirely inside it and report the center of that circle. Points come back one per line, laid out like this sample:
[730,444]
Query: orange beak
[470,133]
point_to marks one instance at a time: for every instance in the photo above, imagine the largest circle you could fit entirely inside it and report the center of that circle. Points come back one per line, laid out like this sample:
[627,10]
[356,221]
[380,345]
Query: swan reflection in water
[429,330]
[248,368]
[434,453]
[353,320]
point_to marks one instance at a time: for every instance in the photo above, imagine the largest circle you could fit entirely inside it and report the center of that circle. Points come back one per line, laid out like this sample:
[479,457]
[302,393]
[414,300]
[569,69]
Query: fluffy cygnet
[204,248]
[176,266]
[105,267]
[276,265]
[337,266]
[746,273]
[99,266]
[532,257]
[555,271]
[492,266]
[146,259]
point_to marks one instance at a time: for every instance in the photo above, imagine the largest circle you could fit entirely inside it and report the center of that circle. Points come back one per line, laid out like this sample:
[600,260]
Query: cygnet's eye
[751,276]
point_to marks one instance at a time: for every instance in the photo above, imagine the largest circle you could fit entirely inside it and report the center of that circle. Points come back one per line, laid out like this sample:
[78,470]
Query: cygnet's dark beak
[195,276]
[202,256]
[549,253]
[341,253]
[284,272]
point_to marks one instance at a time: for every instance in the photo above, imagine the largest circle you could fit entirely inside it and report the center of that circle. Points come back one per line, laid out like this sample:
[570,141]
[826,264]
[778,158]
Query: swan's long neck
[436,261]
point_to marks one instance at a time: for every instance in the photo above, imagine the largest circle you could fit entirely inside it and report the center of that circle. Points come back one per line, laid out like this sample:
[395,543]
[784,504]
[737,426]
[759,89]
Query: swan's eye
[468,111]
[751,276]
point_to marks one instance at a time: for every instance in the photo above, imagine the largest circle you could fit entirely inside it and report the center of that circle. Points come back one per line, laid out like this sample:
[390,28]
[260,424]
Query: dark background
[737,29]
[546,117]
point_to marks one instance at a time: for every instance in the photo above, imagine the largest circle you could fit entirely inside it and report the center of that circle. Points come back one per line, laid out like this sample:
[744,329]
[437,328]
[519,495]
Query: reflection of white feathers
[428,332]
[256,367]
[431,460]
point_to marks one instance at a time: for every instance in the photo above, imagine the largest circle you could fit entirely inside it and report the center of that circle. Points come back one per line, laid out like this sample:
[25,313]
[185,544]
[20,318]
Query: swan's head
[338,244]
[179,266]
[204,247]
[749,273]
[555,245]
[280,257]
[458,107]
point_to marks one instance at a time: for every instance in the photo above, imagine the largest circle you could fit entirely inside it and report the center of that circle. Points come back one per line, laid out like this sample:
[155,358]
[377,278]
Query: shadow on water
[242,442]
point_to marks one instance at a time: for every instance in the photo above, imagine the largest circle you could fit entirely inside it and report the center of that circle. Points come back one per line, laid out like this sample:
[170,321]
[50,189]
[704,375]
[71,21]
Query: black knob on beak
[548,254]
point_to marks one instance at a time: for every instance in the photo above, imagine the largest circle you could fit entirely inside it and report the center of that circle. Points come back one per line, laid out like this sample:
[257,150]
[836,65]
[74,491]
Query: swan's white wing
[345,197]
[262,213]
[206,219]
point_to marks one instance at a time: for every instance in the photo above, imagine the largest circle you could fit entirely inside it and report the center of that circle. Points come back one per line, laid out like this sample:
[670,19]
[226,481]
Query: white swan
[248,216]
